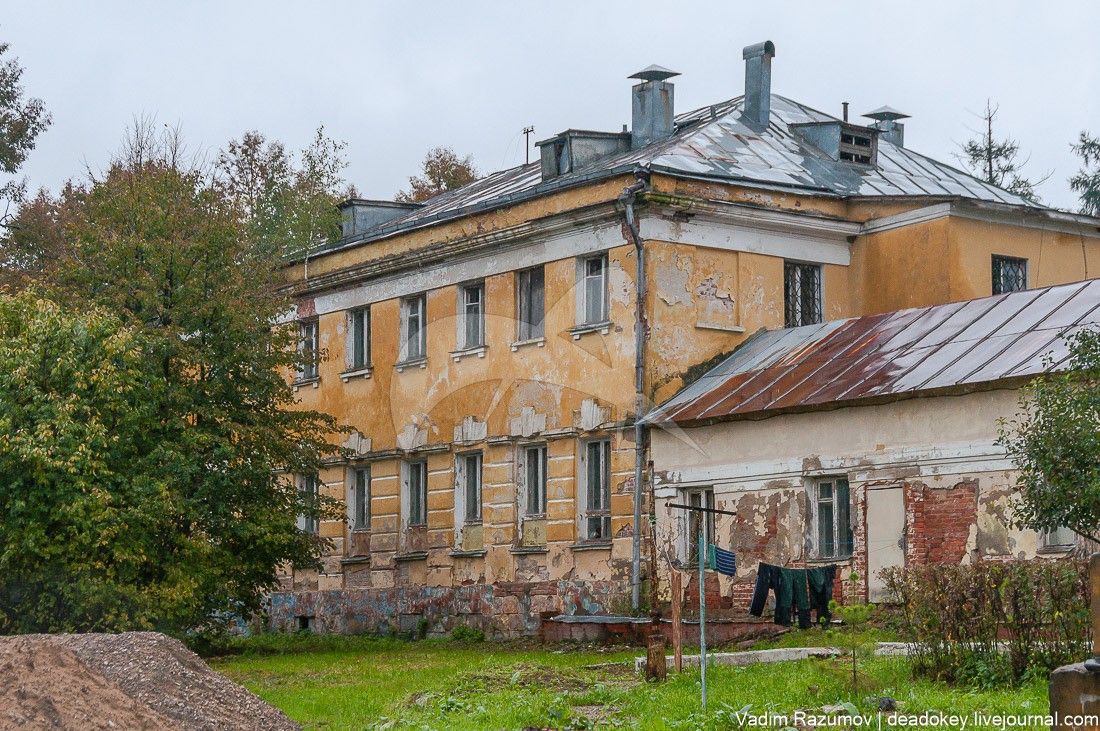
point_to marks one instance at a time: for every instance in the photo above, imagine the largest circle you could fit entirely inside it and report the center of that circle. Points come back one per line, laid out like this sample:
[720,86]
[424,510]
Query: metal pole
[702,618]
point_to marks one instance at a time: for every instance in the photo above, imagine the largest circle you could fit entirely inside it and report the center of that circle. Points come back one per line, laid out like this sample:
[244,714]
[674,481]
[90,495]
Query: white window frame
[527,326]
[359,507]
[816,503]
[1048,542]
[471,316]
[692,519]
[414,307]
[309,349]
[589,513]
[468,495]
[309,485]
[584,318]
[411,469]
[533,463]
[359,327]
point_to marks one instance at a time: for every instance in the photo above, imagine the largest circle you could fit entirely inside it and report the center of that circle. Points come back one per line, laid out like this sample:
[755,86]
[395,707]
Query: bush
[462,633]
[993,623]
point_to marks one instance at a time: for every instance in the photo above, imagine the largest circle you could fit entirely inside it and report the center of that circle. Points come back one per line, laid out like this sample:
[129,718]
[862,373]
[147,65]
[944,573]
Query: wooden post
[677,623]
[1093,663]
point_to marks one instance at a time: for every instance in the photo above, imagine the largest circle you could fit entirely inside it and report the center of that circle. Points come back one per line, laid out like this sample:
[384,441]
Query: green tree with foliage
[442,170]
[996,160]
[1086,183]
[22,119]
[215,442]
[1055,443]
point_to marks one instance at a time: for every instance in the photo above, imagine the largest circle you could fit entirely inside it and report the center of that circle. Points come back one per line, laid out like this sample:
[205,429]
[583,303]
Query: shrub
[993,623]
[462,633]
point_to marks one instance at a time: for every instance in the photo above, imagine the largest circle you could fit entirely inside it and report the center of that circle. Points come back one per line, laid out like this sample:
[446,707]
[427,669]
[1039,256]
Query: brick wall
[939,521]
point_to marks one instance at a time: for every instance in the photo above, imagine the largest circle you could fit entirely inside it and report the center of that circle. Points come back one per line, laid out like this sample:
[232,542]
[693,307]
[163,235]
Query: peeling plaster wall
[957,484]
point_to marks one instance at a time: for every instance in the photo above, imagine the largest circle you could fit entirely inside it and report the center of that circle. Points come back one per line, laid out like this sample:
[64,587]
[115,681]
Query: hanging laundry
[820,579]
[796,590]
[721,560]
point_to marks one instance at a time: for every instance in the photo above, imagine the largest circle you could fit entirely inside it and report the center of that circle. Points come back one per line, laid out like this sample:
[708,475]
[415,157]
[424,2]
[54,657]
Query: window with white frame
[698,521]
[801,294]
[530,303]
[593,289]
[596,519]
[359,338]
[1059,539]
[307,350]
[359,503]
[1009,274]
[468,475]
[416,491]
[471,315]
[832,513]
[308,492]
[413,343]
[534,479]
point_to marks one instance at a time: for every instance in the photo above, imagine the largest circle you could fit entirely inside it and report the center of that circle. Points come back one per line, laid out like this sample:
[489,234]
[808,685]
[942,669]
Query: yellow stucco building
[485,345]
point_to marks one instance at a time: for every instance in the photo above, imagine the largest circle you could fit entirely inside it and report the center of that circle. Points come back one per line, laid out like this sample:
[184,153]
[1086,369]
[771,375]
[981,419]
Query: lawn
[361,683]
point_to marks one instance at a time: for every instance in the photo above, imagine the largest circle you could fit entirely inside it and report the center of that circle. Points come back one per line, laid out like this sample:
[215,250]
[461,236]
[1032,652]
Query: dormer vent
[841,141]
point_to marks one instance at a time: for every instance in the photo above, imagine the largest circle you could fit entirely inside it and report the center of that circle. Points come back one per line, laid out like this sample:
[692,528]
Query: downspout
[627,199]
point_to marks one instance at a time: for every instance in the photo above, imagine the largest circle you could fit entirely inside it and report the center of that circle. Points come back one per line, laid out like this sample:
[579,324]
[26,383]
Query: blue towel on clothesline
[722,561]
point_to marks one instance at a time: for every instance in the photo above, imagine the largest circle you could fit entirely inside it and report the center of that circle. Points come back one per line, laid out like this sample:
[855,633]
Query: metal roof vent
[886,122]
[757,107]
[652,107]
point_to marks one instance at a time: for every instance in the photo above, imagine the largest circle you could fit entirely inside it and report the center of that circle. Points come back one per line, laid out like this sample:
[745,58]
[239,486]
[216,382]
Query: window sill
[528,550]
[354,560]
[303,382]
[1054,550]
[414,363]
[601,545]
[361,531]
[603,328]
[364,372]
[478,350]
[819,560]
[410,556]
[533,342]
[719,327]
[456,553]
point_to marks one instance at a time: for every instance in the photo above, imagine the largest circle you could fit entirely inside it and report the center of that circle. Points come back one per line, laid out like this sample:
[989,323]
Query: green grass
[360,683]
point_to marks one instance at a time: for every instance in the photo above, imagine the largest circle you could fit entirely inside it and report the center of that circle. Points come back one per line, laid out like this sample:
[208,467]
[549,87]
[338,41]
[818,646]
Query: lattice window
[1009,274]
[802,294]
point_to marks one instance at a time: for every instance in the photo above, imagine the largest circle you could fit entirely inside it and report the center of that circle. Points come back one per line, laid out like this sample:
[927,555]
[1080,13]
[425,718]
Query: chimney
[757,106]
[652,108]
[887,124]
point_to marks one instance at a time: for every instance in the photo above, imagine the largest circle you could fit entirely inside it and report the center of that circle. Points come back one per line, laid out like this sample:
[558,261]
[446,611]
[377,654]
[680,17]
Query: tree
[33,243]
[442,170]
[21,121]
[1086,183]
[159,245]
[285,202]
[996,161]
[1055,440]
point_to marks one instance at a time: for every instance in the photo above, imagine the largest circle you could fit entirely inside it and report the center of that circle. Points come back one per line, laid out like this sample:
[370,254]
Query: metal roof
[713,143]
[898,353]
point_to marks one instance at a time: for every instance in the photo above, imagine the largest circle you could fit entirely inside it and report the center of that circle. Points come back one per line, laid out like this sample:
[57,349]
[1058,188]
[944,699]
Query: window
[471,315]
[856,146]
[801,294]
[359,338]
[699,521]
[832,508]
[1009,274]
[412,328]
[307,491]
[307,348]
[1059,539]
[594,289]
[597,515]
[360,498]
[416,483]
[534,479]
[530,303]
[469,481]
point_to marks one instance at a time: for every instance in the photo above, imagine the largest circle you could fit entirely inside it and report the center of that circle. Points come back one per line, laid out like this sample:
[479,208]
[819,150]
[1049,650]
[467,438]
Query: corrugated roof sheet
[895,353]
[712,142]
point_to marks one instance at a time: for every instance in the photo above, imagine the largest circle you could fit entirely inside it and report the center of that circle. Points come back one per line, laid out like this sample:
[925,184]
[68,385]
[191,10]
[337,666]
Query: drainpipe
[627,200]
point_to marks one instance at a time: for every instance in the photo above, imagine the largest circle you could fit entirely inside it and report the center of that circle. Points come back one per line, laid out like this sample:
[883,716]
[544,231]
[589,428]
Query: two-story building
[494,347]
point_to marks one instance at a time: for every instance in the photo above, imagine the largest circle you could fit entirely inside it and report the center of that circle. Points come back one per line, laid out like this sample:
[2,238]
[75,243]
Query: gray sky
[394,79]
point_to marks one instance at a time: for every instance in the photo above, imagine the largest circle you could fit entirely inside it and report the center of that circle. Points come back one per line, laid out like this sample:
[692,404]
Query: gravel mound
[133,680]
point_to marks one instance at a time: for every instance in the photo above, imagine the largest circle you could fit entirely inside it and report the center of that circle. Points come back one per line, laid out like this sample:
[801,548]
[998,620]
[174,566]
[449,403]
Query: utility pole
[527,132]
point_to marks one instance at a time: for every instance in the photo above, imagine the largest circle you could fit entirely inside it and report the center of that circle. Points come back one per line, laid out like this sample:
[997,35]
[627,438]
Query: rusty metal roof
[892,355]
[713,143]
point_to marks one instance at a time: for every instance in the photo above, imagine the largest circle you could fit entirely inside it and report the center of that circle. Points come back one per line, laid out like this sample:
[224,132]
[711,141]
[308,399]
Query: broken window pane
[307,347]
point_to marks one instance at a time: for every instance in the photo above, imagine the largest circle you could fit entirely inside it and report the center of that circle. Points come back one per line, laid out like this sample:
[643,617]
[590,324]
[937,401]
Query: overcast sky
[394,79]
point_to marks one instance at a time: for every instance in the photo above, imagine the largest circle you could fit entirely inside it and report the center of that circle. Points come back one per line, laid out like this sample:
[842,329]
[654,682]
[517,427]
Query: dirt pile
[134,680]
